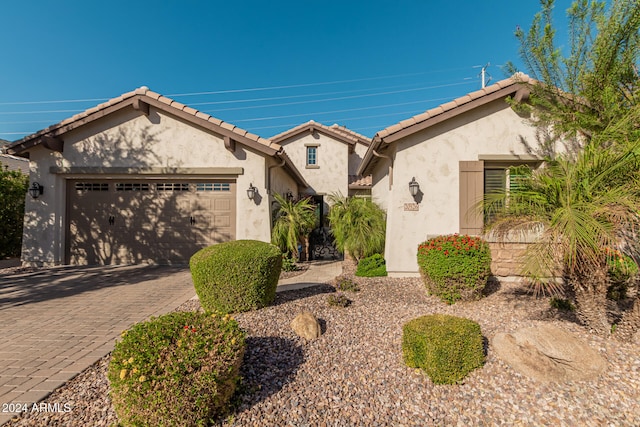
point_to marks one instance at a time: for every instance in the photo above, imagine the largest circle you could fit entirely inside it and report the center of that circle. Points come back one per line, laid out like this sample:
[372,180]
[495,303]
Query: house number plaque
[414,207]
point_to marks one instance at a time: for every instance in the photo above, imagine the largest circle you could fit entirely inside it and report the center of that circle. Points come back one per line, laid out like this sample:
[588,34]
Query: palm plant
[293,222]
[585,203]
[357,224]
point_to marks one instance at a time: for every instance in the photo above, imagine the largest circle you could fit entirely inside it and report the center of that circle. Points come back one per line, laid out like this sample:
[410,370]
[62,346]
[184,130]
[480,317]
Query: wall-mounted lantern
[414,187]
[289,196]
[36,190]
[251,191]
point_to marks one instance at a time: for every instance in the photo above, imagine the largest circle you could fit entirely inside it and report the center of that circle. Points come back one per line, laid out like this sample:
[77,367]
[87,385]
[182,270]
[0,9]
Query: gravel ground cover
[353,375]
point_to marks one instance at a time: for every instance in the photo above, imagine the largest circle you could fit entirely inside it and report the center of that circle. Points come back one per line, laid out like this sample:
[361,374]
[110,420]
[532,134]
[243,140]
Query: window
[503,180]
[312,156]
[92,186]
[213,186]
[132,186]
[172,186]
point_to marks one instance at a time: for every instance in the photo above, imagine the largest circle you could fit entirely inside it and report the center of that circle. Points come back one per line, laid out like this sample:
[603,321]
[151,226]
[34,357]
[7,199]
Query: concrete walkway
[318,273]
[55,323]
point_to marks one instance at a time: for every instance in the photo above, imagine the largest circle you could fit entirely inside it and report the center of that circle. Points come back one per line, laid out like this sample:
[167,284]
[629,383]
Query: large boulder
[306,326]
[548,354]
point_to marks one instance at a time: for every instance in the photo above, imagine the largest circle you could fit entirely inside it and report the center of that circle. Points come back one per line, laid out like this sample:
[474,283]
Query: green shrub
[357,225]
[338,300]
[288,263]
[373,266]
[13,189]
[447,348]
[236,276]
[455,267]
[345,284]
[178,369]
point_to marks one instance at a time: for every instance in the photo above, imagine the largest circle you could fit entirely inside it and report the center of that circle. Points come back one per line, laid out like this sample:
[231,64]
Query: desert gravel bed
[353,375]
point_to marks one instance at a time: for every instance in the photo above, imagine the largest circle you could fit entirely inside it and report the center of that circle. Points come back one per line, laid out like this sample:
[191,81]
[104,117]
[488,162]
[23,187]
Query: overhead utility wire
[243,90]
[340,98]
[312,84]
[336,111]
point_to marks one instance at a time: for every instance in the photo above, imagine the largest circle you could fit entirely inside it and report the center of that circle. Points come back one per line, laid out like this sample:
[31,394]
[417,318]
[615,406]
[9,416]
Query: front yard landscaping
[354,373]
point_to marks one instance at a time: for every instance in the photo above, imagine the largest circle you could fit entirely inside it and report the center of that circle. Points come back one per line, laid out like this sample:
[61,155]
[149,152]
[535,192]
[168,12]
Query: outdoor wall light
[289,196]
[36,190]
[414,187]
[251,191]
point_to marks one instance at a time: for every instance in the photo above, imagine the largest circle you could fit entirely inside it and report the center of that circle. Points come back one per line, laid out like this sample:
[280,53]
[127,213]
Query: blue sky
[264,66]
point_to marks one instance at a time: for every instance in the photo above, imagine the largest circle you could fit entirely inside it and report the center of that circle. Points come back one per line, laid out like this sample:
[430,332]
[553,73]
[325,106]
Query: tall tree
[587,200]
[594,81]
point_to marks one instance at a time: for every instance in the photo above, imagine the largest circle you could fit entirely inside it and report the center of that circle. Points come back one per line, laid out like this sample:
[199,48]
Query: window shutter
[471,192]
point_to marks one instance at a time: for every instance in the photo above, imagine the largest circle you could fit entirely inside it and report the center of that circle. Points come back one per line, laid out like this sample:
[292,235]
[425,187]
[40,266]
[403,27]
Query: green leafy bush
[236,276]
[446,347]
[177,369]
[288,263]
[373,266]
[338,300]
[455,267]
[13,189]
[357,224]
[345,284]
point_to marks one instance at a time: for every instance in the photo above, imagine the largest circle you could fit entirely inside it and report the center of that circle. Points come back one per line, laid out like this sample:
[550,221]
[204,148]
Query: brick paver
[54,323]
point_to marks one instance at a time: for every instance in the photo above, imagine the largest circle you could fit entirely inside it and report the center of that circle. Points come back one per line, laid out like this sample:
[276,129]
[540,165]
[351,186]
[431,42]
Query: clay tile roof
[517,78]
[340,132]
[148,96]
[357,181]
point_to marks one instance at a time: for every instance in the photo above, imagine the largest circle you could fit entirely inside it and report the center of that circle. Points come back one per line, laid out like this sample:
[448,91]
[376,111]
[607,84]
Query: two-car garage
[124,221]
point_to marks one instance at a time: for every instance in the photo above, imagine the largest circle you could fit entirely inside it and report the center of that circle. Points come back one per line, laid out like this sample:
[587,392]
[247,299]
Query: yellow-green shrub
[236,276]
[174,370]
[446,347]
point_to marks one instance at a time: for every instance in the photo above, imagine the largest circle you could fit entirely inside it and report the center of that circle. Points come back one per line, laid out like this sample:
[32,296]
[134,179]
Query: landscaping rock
[306,326]
[548,354]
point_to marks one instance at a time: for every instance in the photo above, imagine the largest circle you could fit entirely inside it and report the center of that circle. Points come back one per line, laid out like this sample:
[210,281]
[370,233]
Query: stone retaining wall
[507,257]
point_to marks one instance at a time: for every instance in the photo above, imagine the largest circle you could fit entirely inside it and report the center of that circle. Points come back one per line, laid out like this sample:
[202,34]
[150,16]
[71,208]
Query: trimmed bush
[455,267]
[13,189]
[446,347]
[236,276]
[177,369]
[288,263]
[373,266]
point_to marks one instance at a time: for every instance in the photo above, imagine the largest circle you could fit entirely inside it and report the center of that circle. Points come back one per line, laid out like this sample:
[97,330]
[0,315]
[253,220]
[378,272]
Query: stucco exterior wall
[129,139]
[432,156]
[331,175]
[356,157]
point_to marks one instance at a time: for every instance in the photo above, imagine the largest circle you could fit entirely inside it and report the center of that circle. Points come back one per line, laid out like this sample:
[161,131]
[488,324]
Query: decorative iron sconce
[251,191]
[36,190]
[414,187]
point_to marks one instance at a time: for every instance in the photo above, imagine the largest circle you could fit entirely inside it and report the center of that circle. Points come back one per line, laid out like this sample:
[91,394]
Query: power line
[341,98]
[245,89]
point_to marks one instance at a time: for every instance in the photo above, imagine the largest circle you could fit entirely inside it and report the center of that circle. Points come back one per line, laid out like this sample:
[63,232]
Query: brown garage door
[160,221]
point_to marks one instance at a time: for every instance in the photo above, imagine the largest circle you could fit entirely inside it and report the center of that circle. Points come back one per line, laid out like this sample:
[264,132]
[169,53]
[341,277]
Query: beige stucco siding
[356,157]
[333,162]
[128,139]
[432,156]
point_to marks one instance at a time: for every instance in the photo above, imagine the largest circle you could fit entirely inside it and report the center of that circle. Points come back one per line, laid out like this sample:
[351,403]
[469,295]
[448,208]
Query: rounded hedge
[446,347]
[236,276]
[455,267]
[373,266]
[177,369]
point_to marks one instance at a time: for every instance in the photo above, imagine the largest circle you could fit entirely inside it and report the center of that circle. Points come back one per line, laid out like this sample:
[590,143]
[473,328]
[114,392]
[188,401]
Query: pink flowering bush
[455,267]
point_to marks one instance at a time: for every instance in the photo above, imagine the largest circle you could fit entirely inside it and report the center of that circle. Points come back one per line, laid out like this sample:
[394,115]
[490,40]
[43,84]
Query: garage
[125,221]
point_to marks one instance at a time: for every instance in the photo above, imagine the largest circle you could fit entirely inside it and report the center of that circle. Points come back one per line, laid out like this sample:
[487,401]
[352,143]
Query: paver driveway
[56,322]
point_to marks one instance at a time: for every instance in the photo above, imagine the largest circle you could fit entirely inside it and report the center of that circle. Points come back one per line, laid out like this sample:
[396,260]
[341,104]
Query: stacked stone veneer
[507,258]
[508,252]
